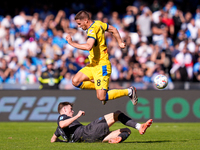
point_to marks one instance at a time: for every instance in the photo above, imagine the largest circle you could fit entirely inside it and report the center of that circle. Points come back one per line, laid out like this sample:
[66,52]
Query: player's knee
[101,95]
[101,98]
[128,130]
[117,112]
[75,82]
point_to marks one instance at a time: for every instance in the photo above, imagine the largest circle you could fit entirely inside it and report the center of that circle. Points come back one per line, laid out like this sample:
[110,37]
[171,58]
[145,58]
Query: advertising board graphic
[161,106]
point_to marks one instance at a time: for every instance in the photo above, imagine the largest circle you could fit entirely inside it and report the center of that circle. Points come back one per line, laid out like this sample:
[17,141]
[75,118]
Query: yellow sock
[87,85]
[116,93]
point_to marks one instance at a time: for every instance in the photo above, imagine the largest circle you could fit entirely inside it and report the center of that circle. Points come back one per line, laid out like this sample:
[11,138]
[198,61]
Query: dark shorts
[95,131]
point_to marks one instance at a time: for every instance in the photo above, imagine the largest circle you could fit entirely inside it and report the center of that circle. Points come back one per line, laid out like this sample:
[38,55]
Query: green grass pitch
[160,136]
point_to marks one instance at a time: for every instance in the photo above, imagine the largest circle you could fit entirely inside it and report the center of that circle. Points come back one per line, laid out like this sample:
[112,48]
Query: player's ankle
[138,126]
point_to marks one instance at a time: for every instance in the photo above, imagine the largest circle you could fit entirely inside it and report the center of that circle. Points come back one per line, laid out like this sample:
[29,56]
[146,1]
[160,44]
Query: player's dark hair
[62,104]
[82,15]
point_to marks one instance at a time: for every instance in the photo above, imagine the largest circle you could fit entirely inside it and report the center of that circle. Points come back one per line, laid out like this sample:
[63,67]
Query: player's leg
[119,116]
[105,95]
[131,123]
[95,131]
[117,136]
[84,79]
[101,76]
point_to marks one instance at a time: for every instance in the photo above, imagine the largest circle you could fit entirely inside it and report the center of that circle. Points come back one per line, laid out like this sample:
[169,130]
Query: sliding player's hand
[122,45]
[80,113]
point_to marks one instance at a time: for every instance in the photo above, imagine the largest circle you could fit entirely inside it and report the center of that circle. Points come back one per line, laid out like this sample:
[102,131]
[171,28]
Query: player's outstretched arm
[116,34]
[67,122]
[86,46]
[54,138]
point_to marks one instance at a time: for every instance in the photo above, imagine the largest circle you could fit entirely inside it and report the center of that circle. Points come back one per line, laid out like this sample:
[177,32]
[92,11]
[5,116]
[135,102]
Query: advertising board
[41,105]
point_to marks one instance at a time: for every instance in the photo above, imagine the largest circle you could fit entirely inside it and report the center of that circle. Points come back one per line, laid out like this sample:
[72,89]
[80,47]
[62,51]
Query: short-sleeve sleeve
[61,118]
[92,33]
[105,26]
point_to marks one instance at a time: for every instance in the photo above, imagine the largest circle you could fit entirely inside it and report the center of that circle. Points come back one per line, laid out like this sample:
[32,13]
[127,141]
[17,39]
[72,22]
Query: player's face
[82,23]
[69,110]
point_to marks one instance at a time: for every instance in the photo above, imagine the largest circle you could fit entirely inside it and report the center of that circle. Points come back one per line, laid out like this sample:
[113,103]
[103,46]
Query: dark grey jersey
[97,130]
[71,133]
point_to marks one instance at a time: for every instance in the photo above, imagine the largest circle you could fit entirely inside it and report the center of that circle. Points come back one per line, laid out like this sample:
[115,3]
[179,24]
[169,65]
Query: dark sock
[126,120]
[124,135]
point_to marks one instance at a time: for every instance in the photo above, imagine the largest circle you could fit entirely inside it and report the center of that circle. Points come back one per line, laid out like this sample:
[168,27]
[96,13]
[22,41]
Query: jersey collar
[91,25]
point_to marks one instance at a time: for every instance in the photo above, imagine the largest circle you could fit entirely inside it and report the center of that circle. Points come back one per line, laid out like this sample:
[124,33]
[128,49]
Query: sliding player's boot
[144,126]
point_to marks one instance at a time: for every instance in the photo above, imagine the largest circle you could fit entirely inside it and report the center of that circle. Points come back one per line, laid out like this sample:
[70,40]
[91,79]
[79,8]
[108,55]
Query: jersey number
[98,82]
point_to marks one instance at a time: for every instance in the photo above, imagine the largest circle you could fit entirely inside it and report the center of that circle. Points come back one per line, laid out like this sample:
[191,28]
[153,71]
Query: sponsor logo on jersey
[90,32]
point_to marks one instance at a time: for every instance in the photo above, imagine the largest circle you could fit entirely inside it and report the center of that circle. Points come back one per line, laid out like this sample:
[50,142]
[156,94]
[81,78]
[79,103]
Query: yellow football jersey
[98,53]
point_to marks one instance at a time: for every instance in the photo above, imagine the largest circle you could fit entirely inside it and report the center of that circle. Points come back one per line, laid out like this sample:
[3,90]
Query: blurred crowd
[160,39]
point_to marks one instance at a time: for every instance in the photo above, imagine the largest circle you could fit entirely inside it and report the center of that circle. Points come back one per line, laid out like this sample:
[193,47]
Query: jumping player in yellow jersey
[96,75]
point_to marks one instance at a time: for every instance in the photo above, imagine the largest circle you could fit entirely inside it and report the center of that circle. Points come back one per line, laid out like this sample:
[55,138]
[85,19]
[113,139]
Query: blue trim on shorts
[106,97]
[104,70]
[79,85]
